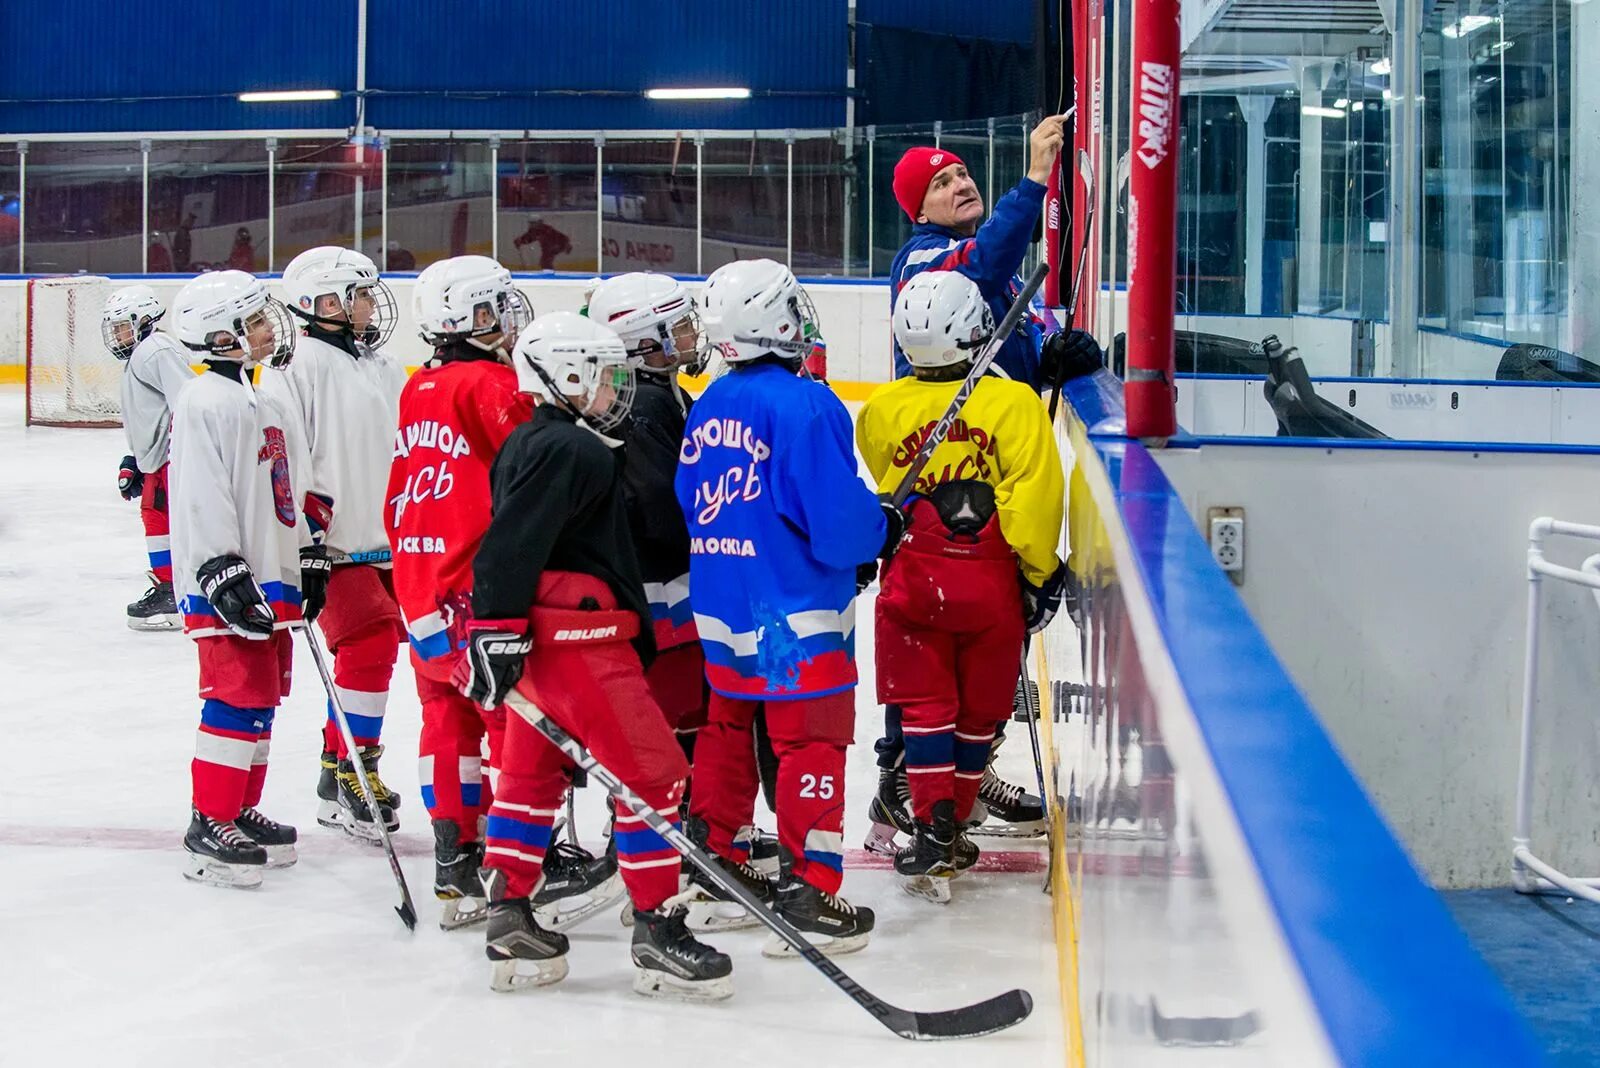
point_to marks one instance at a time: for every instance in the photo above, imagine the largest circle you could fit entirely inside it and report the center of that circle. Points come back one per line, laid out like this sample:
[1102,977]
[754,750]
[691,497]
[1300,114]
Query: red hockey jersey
[453,419]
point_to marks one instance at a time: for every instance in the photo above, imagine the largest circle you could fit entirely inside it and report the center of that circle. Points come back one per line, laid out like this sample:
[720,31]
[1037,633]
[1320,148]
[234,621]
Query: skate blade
[555,917]
[366,832]
[1031,829]
[627,914]
[934,888]
[777,949]
[655,984]
[709,916]
[766,867]
[506,976]
[281,856]
[153,623]
[461,912]
[880,840]
[210,872]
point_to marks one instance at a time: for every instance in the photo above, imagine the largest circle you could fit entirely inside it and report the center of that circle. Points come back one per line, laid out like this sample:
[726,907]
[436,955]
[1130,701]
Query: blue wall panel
[87,63]
[994,20]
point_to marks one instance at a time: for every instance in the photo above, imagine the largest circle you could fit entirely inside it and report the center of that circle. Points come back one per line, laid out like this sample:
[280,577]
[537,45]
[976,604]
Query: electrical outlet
[1227,539]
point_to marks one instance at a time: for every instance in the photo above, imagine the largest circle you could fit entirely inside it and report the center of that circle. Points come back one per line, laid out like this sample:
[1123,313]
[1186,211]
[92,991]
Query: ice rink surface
[111,957]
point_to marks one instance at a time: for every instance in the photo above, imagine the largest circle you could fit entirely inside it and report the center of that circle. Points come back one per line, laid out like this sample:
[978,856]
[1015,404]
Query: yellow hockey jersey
[1002,437]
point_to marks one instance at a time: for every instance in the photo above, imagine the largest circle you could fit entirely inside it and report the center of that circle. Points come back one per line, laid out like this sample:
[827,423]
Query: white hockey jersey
[232,490]
[157,370]
[348,409]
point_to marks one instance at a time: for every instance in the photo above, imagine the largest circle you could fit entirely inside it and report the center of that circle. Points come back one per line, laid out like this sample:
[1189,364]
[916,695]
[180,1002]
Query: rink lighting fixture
[1468,24]
[1325,113]
[288,96]
[726,93]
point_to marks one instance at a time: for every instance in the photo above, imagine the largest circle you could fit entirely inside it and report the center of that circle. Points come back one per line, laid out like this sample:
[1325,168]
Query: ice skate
[277,839]
[714,909]
[927,865]
[830,923]
[156,610]
[456,879]
[1012,812]
[889,812]
[523,955]
[763,851]
[672,963]
[218,853]
[349,809]
[575,885]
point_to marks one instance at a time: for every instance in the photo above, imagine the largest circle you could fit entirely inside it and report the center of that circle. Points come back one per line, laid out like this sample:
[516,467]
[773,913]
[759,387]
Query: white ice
[108,956]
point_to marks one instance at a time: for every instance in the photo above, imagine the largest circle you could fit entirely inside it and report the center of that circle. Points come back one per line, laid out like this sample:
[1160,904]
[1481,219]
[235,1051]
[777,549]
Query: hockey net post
[71,379]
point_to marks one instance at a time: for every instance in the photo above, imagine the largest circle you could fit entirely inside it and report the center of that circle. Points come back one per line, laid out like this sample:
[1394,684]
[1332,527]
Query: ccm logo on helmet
[586,635]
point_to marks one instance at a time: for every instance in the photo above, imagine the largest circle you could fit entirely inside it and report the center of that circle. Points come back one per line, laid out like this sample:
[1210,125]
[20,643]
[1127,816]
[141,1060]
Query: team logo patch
[276,450]
[936,159]
[305,302]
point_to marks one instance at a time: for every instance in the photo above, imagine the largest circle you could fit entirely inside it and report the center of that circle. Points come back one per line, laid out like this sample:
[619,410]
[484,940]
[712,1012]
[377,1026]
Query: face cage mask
[281,322]
[143,327]
[379,328]
[624,382]
[690,361]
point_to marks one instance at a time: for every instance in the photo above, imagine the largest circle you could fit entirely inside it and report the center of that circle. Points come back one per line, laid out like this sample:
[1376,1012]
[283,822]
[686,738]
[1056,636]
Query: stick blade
[1086,167]
[971,1021]
[408,915]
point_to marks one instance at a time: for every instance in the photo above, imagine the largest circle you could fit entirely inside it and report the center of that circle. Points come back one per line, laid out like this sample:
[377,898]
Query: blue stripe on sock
[827,860]
[928,750]
[643,840]
[471,794]
[428,801]
[972,756]
[361,726]
[507,829]
[161,559]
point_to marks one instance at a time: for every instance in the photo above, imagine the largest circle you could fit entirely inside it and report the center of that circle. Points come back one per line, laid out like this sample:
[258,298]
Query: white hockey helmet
[571,360]
[752,308]
[940,319]
[347,277]
[135,307]
[469,298]
[656,319]
[229,315]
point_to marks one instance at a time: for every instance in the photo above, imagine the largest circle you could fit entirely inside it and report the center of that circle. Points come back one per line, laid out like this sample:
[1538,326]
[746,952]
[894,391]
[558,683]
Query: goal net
[71,379]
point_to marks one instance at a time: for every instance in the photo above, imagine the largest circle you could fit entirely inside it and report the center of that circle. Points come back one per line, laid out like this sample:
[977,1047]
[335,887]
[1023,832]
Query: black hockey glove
[315,568]
[493,664]
[896,519]
[1040,603]
[130,480]
[1069,354]
[236,597]
[865,574]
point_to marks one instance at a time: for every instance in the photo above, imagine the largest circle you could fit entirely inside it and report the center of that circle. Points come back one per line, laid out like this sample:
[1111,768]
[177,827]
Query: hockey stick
[1085,172]
[407,912]
[980,365]
[986,1017]
[1031,695]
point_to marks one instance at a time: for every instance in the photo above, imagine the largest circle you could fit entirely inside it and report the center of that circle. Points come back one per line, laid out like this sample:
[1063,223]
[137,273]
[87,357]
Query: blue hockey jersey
[779,517]
[990,258]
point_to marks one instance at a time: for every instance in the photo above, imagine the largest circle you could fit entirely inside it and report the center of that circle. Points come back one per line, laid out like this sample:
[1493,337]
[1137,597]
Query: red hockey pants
[157,528]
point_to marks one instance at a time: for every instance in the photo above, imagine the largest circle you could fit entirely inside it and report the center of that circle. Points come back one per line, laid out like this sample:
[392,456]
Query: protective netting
[72,379]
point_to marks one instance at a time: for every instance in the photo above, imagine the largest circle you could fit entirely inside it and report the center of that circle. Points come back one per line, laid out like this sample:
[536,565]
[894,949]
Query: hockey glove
[130,480]
[235,596]
[865,574]
[1069,354]
[493,664]
[1040,603]
[896,520]
[315,569]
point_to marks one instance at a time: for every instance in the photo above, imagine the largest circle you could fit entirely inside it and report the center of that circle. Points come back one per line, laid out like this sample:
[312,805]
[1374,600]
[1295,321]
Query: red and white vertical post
[1149,393]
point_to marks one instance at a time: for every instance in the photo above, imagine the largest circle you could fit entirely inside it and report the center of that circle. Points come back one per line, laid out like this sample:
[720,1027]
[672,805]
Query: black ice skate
[671,963]
[714,909]
[890,812]
[763,852]
[220,854]
[830,922]
[575,884]
[456,877]
[927,865]
[156,610]
[522,954]
[348,810]
[1019,813]
[277,839]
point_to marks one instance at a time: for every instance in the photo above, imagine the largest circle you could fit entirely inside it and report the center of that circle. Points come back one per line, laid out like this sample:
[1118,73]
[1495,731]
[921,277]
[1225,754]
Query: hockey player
[346,393]
[455,414]
[561,617]
[156,368]
[779,520]
[245,564]
[951,613]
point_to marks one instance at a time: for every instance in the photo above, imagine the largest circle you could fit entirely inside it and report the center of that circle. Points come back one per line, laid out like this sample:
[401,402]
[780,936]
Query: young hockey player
[245,565]
[156,368]
[455,414]
[779,521]
[951,612]
[562,623]
[346,393]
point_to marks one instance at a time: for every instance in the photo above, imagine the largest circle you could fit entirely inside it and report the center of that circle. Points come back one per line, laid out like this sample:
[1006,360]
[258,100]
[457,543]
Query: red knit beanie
[915,171]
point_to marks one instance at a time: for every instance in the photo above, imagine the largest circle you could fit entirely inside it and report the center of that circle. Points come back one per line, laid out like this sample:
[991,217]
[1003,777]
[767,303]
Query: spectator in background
[182,244]
[158,258]
[552,242]
[243,255]
[399,259]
